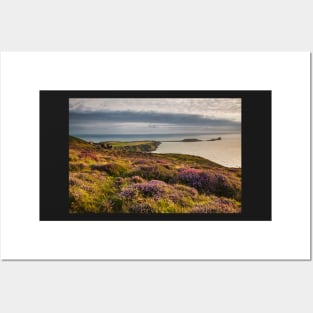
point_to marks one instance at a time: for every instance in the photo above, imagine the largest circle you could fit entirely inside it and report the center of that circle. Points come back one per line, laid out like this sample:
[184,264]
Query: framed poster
[185,156]
[155,155]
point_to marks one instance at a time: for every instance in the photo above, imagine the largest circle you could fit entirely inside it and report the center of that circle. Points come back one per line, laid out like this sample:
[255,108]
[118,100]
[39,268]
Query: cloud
[148,117]
[154,115]
[223,108]
[150,122]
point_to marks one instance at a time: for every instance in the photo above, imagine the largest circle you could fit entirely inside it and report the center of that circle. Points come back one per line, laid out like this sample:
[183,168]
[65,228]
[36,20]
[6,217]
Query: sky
[123,116]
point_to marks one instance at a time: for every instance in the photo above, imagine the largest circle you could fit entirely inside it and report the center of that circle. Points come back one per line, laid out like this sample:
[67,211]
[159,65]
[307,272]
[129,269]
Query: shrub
[141,161]
[128,193]
[88,155]
[187,191]
[225,187]
[76,167]
[119,181]
[208,182]
[137,179]
[195,178]
[117,204]
[74,181]
[153,188]
[156,171]
[82,201]
[113,169]
[98,167]
[141,208]
[160,195]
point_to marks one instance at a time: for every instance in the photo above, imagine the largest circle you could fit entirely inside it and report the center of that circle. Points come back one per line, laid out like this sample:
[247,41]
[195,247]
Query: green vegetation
[122,177]
[139,146]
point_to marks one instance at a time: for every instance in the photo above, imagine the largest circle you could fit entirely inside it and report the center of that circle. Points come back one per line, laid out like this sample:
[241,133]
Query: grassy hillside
[139,146]
[121,177]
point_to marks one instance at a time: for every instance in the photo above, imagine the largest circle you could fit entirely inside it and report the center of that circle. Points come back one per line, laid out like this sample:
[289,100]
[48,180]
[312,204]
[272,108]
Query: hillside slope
[123,178]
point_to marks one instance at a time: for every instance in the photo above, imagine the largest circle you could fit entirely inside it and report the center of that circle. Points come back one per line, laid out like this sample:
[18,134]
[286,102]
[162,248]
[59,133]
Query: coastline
[224,150]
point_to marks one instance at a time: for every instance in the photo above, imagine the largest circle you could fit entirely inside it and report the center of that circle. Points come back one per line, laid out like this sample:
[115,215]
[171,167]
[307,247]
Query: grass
[137,146]
[126,179]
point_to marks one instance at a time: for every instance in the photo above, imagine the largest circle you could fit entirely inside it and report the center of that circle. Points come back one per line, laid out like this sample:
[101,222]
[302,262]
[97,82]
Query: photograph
[148,156]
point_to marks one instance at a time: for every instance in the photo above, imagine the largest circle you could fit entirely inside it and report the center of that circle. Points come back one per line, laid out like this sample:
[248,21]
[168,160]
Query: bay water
[226,151]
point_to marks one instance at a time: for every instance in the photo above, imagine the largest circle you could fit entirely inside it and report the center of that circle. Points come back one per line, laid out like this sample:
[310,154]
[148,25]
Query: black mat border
[256,155]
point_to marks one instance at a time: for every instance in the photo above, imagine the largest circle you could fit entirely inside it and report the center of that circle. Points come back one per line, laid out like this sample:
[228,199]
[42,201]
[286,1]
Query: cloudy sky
[154,116]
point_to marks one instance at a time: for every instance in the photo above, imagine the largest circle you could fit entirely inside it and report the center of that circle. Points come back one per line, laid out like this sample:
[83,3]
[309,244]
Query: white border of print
[23,74]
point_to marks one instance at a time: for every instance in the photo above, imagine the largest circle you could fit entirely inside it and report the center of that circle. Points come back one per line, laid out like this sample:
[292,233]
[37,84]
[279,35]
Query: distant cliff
[214,139]
[191,140]
[195,140]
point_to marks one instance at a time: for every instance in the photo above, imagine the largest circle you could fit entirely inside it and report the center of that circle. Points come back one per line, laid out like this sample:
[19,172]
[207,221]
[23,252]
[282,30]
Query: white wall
[150,286]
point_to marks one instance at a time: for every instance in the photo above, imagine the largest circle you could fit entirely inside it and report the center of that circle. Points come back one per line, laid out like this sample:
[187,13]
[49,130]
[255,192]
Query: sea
[226,151]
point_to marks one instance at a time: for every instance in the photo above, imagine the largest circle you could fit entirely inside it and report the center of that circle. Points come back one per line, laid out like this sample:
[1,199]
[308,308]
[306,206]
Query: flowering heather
[209,182]
[125,180]
[153,188]
[128,193]
[198,179]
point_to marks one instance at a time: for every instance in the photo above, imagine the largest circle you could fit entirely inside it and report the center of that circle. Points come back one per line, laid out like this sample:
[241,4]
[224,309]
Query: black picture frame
[256,155]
